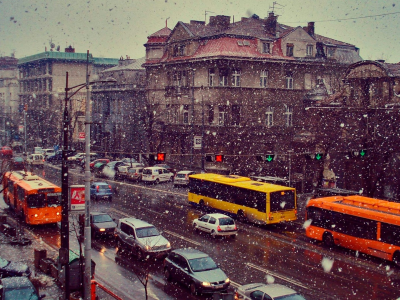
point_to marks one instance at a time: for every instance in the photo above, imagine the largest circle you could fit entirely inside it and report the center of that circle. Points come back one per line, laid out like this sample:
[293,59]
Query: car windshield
[102,218]
[147,232]
[290,297]
[21,293]
[181,175]
[202,264]
[3,262]
[226,221]
[18,159]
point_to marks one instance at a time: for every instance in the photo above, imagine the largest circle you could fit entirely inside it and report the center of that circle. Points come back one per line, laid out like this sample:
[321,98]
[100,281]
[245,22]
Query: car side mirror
[218,265]
[186,269]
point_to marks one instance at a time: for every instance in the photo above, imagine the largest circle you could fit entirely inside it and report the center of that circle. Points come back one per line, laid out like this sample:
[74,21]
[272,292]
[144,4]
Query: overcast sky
[111,28]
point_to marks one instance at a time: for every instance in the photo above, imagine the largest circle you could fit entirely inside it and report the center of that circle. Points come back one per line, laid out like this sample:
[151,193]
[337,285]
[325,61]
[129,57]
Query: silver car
[141,238]
[182,178]
[255,291]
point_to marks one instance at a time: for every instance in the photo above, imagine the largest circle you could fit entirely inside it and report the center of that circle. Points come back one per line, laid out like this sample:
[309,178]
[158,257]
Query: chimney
[222,22]
[70,49]
[311,28]
[270,24]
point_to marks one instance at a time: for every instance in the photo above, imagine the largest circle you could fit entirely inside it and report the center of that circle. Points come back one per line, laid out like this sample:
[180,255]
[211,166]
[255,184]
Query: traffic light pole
[202,133]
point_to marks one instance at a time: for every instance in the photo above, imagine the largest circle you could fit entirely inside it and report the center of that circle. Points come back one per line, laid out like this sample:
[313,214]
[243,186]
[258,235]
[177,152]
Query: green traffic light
[318,156]
[270,158]
[362,152]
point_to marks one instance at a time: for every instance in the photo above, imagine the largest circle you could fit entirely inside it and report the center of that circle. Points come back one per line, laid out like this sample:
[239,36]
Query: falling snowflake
[307,223]
[327,264]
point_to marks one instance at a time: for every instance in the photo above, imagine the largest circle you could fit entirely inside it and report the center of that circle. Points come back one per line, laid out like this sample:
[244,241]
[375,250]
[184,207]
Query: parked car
[254,291]
[195,269]
[17,163]
[100,190]
[20,288]
[102,224]
[182,178]
[6,152]
[111,168]
[129,160]
[216,225]
[141,238]
[81,161]
[11,269]
[156,175]
[56,158]
[135,174]
[48,152]
[165,166]
[121,172]
[102,160]
[35,160]
[98,169]
[38,150]
[77,157]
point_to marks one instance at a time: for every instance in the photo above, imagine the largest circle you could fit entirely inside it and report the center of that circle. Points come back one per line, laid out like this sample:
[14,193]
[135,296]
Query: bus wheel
[202,206]
[328,240]
[396,258]
[240,216]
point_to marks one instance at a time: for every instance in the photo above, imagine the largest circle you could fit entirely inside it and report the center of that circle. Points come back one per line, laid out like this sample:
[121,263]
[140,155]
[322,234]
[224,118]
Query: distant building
[42,81]
[8,99]
[241,86]
[119,109]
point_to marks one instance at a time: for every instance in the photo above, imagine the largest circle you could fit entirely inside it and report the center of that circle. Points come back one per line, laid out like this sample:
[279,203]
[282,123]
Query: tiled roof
[161,33]
[326,40]
[394,69]
[135,65]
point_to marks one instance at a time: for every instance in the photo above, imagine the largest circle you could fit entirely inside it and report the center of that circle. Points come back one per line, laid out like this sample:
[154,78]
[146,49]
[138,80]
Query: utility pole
[202,132]
[192,134]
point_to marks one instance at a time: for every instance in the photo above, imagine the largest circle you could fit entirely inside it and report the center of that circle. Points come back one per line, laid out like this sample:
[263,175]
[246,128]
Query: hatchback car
[35,160]
[196,270]
[262,291]
[102,224]
[216,225]
[141,238]
[6,151]
[156,175]
[11,269]
[135,174]
[182,178]
[102,160]
[100,190]
[20,288]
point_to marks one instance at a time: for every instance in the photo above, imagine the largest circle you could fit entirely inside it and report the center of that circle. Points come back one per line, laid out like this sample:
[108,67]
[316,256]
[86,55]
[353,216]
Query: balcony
[173,91]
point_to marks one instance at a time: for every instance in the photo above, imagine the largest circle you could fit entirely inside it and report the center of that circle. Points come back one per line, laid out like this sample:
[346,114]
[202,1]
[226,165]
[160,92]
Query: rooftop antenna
[276,4]
[206,13]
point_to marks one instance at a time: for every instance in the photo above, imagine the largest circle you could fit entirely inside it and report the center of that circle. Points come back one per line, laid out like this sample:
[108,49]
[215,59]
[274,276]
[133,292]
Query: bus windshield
[36,201]
[53,199]
[282,200]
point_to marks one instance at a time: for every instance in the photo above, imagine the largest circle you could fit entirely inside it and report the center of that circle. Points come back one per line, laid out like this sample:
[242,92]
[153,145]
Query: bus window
[53,199]
[36,201]
[282,200]
[11,186]
[21,194]
[390,234]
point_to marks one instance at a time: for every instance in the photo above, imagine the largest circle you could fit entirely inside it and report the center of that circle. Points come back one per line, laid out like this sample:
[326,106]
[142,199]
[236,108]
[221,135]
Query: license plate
[218,286]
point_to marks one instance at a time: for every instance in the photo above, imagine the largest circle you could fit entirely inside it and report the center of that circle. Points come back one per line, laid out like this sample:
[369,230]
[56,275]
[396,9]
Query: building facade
[42,83]
[119,110]
[8,100]
[238,87]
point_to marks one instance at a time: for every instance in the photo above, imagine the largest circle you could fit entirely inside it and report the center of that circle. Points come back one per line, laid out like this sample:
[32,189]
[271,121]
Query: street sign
[81,135]
[197,142]
[77,198]
[21,128]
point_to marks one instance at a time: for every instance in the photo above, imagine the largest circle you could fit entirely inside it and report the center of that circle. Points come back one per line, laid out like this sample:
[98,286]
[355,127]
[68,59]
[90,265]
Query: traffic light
[160,156]
[209,157]
[316,156]
[269,157]
[363,152]
[357,153]
[260,157]
[219,158]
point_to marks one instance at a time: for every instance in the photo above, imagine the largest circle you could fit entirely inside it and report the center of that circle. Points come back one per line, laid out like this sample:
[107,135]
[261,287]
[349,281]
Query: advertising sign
[77,198]
[81,135]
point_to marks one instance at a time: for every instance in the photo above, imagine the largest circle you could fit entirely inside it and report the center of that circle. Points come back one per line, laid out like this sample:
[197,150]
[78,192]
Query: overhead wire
[347,19]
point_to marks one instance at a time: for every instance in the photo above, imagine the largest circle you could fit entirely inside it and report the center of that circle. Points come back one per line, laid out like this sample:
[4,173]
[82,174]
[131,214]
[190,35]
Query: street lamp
[64,250]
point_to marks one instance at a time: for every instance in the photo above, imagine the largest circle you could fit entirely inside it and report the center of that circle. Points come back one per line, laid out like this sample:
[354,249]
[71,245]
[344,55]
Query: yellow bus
[257,202]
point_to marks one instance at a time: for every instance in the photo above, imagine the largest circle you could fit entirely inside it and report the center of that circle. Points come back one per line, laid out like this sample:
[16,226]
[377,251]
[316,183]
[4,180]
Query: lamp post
[64,250]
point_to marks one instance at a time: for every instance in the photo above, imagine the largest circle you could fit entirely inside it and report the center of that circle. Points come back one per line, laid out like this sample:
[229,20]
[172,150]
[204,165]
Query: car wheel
[171,179]
[157,181]
[240,216]
[233,236]
[195,228]
[328,240]
[110,198]
[202,205]
[167,274]
[213,234]
[193,289]
[140,254]
[396,258]
[95,198]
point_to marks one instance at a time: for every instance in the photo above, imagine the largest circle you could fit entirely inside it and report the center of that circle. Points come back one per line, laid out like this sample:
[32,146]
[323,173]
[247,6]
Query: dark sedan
[101,224]
[11,269]
[17,163]
[195,269]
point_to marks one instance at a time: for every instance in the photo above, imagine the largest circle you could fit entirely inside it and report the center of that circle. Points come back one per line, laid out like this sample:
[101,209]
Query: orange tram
[358,223]
[36,200]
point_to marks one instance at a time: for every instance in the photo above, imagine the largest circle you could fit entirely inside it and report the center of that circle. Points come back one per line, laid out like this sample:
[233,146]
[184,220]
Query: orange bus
[358,223]
[35,199]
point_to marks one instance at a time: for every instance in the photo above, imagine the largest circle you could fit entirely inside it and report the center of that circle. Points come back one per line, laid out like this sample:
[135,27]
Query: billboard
[77,198]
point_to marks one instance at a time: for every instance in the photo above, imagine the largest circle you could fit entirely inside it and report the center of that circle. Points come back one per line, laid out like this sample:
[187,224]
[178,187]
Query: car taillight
[186,177]
[97,188]
[152,176]
[219,228]
[109,186]
[295,211]
[136,174]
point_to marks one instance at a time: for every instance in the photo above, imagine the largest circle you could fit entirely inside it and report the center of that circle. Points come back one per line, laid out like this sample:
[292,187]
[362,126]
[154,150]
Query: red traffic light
[160,156]
[219,158]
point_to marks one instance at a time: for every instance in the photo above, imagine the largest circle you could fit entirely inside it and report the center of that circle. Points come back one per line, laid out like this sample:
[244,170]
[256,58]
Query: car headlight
[36,215]
[58,214]
[147,247]
[205,283]
[169,245]
[227,280]
[102,229]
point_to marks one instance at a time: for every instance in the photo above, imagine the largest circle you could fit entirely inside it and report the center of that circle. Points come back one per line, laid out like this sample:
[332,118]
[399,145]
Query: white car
[77,157]
[48,152]
[216,225]
[182,178]
[266,291]
[157,175]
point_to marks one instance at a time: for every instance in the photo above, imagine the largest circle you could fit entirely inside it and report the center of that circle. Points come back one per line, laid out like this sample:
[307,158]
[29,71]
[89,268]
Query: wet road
[257,253]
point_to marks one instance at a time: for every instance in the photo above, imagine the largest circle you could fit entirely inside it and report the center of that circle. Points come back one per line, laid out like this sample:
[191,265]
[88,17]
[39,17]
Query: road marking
[278,276]
[182,237]
[120,212]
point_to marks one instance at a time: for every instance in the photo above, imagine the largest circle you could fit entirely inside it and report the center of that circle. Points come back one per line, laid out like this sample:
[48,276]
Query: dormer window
[179,50]
[289,49]
[310,50]
[265,48]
